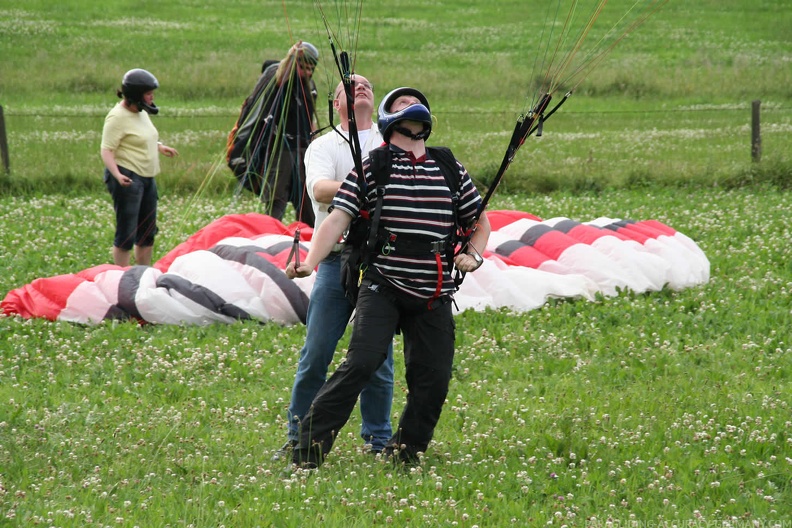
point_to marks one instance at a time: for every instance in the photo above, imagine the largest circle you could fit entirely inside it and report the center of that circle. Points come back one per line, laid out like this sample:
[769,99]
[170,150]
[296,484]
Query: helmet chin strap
[423,134]
[152,109]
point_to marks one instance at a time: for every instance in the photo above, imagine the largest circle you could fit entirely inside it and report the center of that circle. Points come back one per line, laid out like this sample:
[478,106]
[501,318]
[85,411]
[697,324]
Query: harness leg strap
[439,285]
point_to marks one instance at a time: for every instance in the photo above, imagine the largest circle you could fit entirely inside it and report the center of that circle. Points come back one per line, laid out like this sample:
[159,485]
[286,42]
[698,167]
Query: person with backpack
[130,153]
[406,284]
[327,162]
[266,147]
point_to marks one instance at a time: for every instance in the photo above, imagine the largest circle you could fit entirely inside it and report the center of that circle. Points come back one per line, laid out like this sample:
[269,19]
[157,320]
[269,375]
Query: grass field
[669,408]
[660,409]
[671,104]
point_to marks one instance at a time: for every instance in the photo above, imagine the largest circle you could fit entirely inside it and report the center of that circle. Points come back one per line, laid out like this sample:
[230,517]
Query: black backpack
[364,236]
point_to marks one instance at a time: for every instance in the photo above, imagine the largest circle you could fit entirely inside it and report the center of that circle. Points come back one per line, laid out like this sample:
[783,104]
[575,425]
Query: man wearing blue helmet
[407,286]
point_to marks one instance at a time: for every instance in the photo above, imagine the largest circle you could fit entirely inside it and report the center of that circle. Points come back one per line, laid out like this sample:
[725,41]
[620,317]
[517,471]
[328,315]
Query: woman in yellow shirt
[130,152]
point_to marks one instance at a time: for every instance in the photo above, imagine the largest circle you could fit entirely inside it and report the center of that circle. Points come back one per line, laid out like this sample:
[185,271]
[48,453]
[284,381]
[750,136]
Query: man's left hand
[466,262]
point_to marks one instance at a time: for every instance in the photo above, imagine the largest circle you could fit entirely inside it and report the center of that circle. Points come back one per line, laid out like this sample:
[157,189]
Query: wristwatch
[478,258]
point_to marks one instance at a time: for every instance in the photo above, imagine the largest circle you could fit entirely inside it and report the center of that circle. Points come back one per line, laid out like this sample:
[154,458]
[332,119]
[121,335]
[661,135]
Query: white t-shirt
[329,158]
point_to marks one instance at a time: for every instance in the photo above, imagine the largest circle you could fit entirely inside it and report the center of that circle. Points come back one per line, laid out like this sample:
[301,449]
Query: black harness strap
[380,168]
[448,166]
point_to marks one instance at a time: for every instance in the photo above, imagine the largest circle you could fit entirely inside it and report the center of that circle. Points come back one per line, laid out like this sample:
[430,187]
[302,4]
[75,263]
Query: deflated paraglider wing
[232,270]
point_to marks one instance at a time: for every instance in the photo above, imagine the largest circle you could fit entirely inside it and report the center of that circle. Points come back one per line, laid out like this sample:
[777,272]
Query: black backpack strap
[380,166]
[450,169]
[448,166]
[379,163]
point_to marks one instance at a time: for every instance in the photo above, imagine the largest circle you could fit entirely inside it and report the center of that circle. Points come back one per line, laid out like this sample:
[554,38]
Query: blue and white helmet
[387,120]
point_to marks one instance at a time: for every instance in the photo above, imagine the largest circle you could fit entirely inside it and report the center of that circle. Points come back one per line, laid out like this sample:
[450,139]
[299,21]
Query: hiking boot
[401,458]
[285,451]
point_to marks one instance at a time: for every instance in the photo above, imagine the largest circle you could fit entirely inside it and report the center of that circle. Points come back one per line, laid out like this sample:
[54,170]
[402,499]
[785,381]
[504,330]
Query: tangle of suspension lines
[577,40]
[577,35]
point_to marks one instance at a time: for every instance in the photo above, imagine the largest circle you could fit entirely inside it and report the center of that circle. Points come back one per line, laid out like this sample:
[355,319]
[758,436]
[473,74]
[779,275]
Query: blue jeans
[327,319]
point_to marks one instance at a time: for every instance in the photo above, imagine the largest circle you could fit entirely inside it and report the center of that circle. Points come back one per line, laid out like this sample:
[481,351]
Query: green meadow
[670,104]
[666,408]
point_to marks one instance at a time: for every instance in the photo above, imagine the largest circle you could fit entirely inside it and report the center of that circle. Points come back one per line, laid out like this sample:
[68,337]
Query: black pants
[284,181]
[428,356]
[135,209]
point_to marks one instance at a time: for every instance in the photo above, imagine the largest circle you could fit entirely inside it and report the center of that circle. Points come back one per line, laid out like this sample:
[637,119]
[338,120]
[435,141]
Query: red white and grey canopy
[232,270]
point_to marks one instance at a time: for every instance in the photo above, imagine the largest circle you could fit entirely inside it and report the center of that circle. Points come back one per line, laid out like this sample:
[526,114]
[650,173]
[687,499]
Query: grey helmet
[310,53]
[136,83]
[387,120]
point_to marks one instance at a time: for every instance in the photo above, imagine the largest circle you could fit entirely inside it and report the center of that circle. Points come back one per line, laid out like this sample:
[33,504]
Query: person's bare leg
[143,255]
[121,256]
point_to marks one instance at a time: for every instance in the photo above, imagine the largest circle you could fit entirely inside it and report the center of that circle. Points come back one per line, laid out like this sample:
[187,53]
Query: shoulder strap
[448,166]
[380,162]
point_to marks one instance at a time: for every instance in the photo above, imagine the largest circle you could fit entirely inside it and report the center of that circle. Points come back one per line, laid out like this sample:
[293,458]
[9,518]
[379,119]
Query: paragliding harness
[240,138]
[365,237]
[254,125]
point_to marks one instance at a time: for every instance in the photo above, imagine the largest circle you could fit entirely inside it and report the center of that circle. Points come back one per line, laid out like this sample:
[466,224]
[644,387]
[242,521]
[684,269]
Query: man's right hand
[302,271]
[295,50]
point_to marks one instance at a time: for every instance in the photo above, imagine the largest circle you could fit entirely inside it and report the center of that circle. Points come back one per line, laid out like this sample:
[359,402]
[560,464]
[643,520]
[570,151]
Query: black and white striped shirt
[417,202]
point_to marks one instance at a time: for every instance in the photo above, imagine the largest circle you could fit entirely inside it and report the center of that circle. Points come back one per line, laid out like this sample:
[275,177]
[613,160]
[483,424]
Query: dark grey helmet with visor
[135,84]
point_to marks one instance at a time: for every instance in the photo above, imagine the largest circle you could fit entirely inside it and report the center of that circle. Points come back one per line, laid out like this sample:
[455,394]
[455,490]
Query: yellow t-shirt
[133,139]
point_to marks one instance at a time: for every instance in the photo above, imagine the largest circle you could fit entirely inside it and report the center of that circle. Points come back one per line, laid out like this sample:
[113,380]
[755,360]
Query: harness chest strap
[407,246]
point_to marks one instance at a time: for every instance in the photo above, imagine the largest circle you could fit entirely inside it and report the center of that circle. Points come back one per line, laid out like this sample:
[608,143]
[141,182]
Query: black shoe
[402,458]
[285,452]
[310,458]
